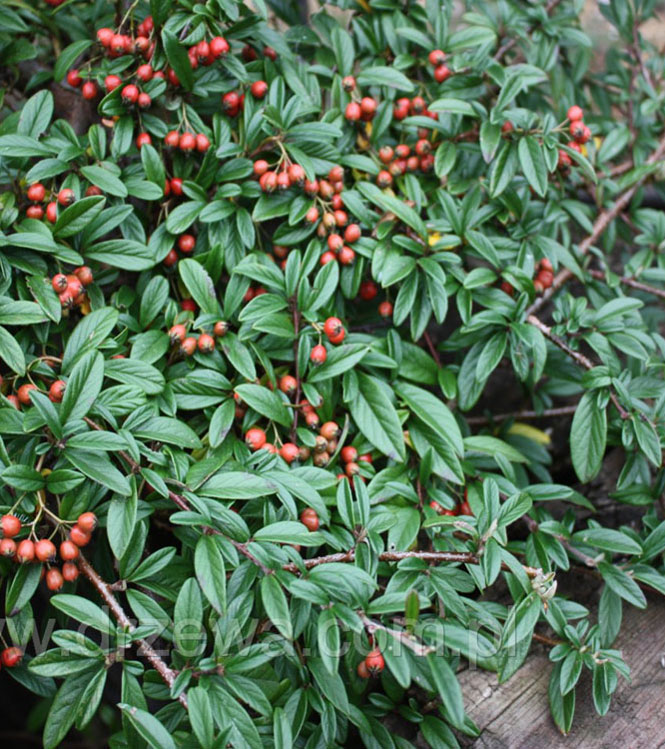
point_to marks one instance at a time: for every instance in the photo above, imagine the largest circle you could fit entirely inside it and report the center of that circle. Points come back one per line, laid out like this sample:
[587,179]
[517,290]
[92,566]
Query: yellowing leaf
[526,430]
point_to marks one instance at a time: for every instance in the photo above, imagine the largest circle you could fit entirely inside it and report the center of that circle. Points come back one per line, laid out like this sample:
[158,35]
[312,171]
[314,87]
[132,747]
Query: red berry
[312,215]
[368,105]
[92,190]
[87,522]
[507,288]
[171,258]
[111,82]
[349,454]
[255,439]
[465,508]
[289,452]
[386,309]
[11,526]
[436,57]
[144,72]
[202,143]
[176,186]
[188,305]
[68,551]
[186,243]
[346,256]
[348,83]
[7,547]
[575,113]
[54,579]
[172,139]
[288,384]
[144,100]
[218,46]
[296,174]
[206,343]
[187,142]
[177,334]
[330,430]
[220,329]
[66,197]
[318,354]
[577,130]
[310,519]
[327,257]
[70,572]
[352,233]
[25,551]
[73,78]
[36,192]
[24,393]
[14,401]
[45,550]
[361,669]
[333,328]
[283,181]
[57,390]
[129,94]
[188,346]
[335,242]
[375,662]
[78,536]
[353,111]
[384,178]
[368,290]
[173,78]
[143,139]
[231,102]
[259,89]
[261,166]
[34,211]
[11,657]
[442,73]
[89,90]
[104,36]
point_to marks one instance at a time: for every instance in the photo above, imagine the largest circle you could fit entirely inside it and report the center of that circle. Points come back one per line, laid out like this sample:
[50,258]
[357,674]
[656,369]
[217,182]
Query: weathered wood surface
[516,715]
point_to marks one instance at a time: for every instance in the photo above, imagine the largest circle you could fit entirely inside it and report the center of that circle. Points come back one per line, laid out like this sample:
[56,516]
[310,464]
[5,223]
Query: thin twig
[601,223]
[522,415]
[463,557]
[551,5]
[145,649]
[405,638]
[432,349]
[632,283]
[576,356]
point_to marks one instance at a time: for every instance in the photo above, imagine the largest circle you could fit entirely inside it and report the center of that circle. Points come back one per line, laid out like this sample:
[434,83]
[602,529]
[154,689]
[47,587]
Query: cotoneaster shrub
[273,321]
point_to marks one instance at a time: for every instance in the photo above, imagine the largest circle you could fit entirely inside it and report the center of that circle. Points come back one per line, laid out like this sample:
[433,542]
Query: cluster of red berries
[579,132]
[334,330]
[463,508]
[205,343]
[359,110]
[288,175]
[187,142]
[186,244]
[437,58]
[338,244]
[233,102]
[206,53]
[71,288]
[36,194]
[372,665]
[44,550]
[351,460]
[368,291]
[405,107]
[544,276]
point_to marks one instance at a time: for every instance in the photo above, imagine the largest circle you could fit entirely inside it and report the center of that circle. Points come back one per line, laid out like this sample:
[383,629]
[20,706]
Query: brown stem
[590,562]
[551,5]
[601,223]
[545,640]
[521,415]
[464,557]
[432,349]
[404,637]
[183,504]
[145,649]
[632,283]
[576,356]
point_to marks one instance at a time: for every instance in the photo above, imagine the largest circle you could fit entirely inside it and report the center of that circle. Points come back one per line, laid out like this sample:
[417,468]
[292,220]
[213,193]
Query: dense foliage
[288,306]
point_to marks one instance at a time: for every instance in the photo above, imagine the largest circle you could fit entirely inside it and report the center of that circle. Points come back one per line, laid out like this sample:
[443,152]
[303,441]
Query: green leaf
[126,254]
[83,387]
[99,469]
[608,540]
[493,446]
[276,606]
[120,524]
[209,568]
[448,687]
[84,611]
[176,54]
[200,716]
[68,56]
[149,728]
[339,360]
[391,204]
[200,285]
[588,435]
[170,431]
[376,418]
[382,75]
[36,114]
[288,532]
[62,713]
[266,402]
[622,584]
[105,180]
[78,215]
[533,163]
[11,353]
[433,411]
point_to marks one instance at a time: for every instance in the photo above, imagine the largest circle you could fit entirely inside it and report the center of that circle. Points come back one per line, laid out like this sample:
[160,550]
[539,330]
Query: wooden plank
[516,715]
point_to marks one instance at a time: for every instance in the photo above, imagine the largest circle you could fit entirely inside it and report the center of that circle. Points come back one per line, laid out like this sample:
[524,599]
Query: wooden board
[516,715]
